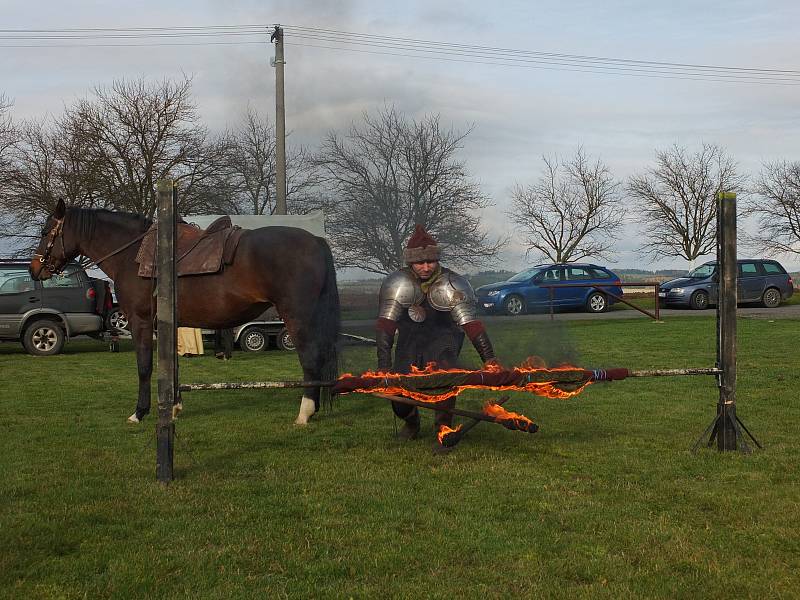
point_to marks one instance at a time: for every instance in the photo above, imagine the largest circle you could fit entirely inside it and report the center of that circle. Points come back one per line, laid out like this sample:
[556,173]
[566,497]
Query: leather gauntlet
[385,342]
[484,346]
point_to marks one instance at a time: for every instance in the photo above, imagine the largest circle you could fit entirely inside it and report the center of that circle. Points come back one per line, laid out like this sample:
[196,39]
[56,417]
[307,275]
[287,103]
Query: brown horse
[282,266]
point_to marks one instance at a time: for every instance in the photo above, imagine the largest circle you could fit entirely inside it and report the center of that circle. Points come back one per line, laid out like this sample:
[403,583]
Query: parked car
[528,289]
[116,319]
[758,280]
[256,335]
[42,315]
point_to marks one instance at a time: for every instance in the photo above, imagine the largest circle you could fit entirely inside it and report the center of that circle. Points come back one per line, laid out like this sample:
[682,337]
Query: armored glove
[484,347]
[385,342]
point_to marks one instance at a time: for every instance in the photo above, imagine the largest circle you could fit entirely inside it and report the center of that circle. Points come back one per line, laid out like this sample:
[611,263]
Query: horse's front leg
[142,334]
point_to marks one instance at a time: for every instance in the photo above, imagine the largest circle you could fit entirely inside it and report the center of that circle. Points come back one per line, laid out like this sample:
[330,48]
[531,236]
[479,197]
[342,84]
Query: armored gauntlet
[484,346]
[385,342]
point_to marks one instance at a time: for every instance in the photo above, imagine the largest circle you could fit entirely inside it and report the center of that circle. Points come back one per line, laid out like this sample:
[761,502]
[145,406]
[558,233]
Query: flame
[445,432]
[508,419]
[532,364]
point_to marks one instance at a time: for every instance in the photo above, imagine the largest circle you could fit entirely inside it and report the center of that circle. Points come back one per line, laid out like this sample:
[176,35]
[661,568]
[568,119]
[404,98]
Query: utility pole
[280,123]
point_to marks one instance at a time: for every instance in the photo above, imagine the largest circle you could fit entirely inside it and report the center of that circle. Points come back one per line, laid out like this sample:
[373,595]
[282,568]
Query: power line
[659,75]
[393,46]
[587,66]
[533,52]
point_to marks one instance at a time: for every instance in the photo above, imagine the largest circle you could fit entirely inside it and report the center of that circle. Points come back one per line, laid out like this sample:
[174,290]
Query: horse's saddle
[197,252]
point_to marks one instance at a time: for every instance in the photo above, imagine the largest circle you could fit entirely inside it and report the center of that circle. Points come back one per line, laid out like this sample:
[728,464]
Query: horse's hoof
[133,418]
[307,410]
[302,420]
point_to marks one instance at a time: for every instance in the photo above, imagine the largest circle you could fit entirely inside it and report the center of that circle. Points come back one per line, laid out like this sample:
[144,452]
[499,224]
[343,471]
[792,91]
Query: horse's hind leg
[142,334]
[308,351]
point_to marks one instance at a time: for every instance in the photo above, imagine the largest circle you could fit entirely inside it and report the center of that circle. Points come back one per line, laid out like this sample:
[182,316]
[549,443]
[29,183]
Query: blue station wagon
[527,291]
[759,280]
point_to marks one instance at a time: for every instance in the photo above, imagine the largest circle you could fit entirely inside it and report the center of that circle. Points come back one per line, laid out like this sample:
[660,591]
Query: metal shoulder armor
[453,293]
[398,291]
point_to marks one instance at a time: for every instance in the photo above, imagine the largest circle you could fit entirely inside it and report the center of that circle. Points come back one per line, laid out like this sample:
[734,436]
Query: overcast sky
[518,113]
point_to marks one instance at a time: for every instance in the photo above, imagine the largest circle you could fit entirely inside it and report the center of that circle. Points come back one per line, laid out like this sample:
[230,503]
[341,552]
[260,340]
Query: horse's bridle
[45,259]
[57,232]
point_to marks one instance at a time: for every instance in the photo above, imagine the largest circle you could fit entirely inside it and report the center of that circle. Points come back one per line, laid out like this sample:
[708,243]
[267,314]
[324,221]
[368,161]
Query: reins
[118,250]
[58,232]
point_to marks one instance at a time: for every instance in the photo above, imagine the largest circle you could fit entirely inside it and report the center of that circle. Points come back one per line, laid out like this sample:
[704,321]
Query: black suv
[43,314]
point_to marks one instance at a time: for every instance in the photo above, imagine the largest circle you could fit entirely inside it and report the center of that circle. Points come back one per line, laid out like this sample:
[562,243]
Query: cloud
[518,113]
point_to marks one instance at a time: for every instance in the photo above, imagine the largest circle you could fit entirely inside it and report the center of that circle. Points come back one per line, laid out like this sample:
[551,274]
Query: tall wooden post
[727,427]
[728,296]
[280,124]
[167,330]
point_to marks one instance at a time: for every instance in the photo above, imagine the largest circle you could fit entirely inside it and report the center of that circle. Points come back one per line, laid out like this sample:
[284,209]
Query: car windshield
[702,272]
[525,275]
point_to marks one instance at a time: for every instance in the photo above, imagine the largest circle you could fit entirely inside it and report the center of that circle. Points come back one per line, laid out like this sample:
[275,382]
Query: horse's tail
[326,321]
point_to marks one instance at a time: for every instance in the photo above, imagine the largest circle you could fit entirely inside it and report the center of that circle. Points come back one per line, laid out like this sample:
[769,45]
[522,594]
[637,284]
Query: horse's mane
[84,220]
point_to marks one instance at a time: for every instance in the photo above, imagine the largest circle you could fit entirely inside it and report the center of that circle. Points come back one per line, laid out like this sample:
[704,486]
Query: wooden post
[167,330]
[727,427]
[280,124]
[727,269]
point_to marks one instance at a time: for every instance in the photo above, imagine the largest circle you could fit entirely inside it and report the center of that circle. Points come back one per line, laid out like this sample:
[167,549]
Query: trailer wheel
[253,339]
[284,340]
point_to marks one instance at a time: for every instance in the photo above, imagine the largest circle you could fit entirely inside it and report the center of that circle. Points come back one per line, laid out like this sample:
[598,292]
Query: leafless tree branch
[676,200]
[247,181]
[389,173]
[777,207]
[572,212]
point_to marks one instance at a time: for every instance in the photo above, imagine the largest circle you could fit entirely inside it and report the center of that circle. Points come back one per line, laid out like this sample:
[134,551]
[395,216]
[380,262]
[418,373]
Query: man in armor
[431,308]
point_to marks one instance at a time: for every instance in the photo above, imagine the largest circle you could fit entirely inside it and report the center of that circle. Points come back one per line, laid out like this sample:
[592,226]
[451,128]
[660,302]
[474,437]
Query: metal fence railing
[655,315]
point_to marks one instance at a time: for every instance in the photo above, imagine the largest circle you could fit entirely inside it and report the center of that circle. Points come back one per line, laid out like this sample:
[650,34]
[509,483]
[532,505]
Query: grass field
[605,501]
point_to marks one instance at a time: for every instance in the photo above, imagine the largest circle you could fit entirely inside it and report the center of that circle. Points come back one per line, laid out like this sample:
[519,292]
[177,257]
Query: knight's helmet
[421,247]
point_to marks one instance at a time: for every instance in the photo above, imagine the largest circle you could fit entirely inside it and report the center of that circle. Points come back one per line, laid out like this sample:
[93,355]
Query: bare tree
[676,200]
[47,162]
[137,132]
[389,173]
[6,128]
[7,138]
[248,181]
[572,212]
[777,209]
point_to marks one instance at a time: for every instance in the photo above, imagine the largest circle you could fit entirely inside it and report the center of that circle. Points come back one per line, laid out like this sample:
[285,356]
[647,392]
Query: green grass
[605,501]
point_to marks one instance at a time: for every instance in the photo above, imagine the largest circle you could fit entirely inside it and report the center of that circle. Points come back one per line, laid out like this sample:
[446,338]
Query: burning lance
[518,379]
[434,385]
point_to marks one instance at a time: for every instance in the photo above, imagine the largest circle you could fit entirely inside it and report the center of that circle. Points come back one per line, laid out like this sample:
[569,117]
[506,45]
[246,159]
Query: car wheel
[117,320]
[514,305]
[43,338]
[284,340]
[771,298]
[699,300]
[254,339]
[596,302]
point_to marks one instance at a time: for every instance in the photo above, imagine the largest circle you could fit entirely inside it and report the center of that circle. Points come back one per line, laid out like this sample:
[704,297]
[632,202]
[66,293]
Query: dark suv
[43,314]
[759,280]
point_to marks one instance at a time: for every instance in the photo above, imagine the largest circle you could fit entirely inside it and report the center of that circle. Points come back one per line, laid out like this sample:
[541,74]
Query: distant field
[605,501]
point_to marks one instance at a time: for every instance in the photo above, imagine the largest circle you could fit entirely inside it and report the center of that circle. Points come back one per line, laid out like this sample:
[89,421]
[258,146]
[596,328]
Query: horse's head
[55,248]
